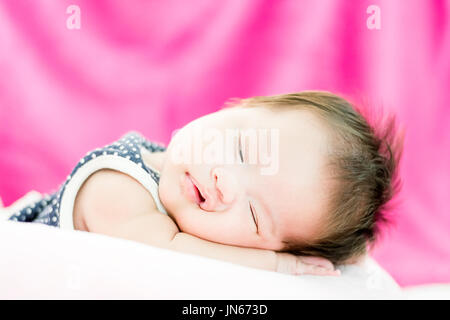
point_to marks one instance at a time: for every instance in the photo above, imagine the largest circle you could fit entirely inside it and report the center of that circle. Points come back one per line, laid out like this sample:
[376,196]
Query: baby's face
[279,191]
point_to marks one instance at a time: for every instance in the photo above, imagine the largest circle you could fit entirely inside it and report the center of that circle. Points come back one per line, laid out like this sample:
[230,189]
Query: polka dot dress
[46,210]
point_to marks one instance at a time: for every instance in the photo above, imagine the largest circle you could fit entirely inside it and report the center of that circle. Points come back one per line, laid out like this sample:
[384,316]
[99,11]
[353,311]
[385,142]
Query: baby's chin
[172,199]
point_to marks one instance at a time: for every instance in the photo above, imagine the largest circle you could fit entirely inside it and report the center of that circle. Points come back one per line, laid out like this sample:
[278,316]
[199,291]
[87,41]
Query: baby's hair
[363,162]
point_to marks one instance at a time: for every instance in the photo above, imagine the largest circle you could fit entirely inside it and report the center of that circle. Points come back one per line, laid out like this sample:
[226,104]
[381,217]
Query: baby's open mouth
[194,193]
[199,194]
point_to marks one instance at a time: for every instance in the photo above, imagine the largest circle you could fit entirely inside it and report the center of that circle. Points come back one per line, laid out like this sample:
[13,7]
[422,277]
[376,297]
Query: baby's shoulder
[109,198]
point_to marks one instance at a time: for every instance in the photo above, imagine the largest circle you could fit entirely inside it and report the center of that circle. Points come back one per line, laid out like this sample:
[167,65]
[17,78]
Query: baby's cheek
[216,227]
[187,222]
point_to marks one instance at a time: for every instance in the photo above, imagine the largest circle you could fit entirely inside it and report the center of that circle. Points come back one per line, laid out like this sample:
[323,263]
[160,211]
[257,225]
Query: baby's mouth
[198,196]
[201,199]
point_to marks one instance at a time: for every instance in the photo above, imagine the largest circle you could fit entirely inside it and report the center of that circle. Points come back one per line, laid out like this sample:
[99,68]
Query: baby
[291,183]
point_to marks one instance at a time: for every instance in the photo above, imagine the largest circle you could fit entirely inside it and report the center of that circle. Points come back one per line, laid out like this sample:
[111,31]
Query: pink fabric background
[154,66]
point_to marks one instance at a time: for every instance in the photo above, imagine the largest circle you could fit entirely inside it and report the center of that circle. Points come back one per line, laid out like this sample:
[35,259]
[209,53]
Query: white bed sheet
[436,291]
[42,262]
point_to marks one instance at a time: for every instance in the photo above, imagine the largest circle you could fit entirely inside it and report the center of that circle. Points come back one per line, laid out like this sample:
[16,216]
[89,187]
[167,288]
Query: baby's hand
[298,265]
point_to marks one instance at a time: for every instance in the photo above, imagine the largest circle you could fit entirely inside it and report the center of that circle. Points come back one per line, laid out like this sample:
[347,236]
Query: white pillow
[42,262]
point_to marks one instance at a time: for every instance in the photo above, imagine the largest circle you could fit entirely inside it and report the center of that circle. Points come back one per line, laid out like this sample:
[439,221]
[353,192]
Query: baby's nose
[226,186]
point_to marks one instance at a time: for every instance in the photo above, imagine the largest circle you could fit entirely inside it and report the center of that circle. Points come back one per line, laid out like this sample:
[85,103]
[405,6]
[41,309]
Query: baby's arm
[115,204]
[250,257]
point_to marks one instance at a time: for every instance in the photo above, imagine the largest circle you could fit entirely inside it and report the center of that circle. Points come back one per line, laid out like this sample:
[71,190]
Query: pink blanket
[152,66]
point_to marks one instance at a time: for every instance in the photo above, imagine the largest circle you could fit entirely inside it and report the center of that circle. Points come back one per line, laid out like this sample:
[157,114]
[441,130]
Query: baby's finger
[317,261]
[318,270]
